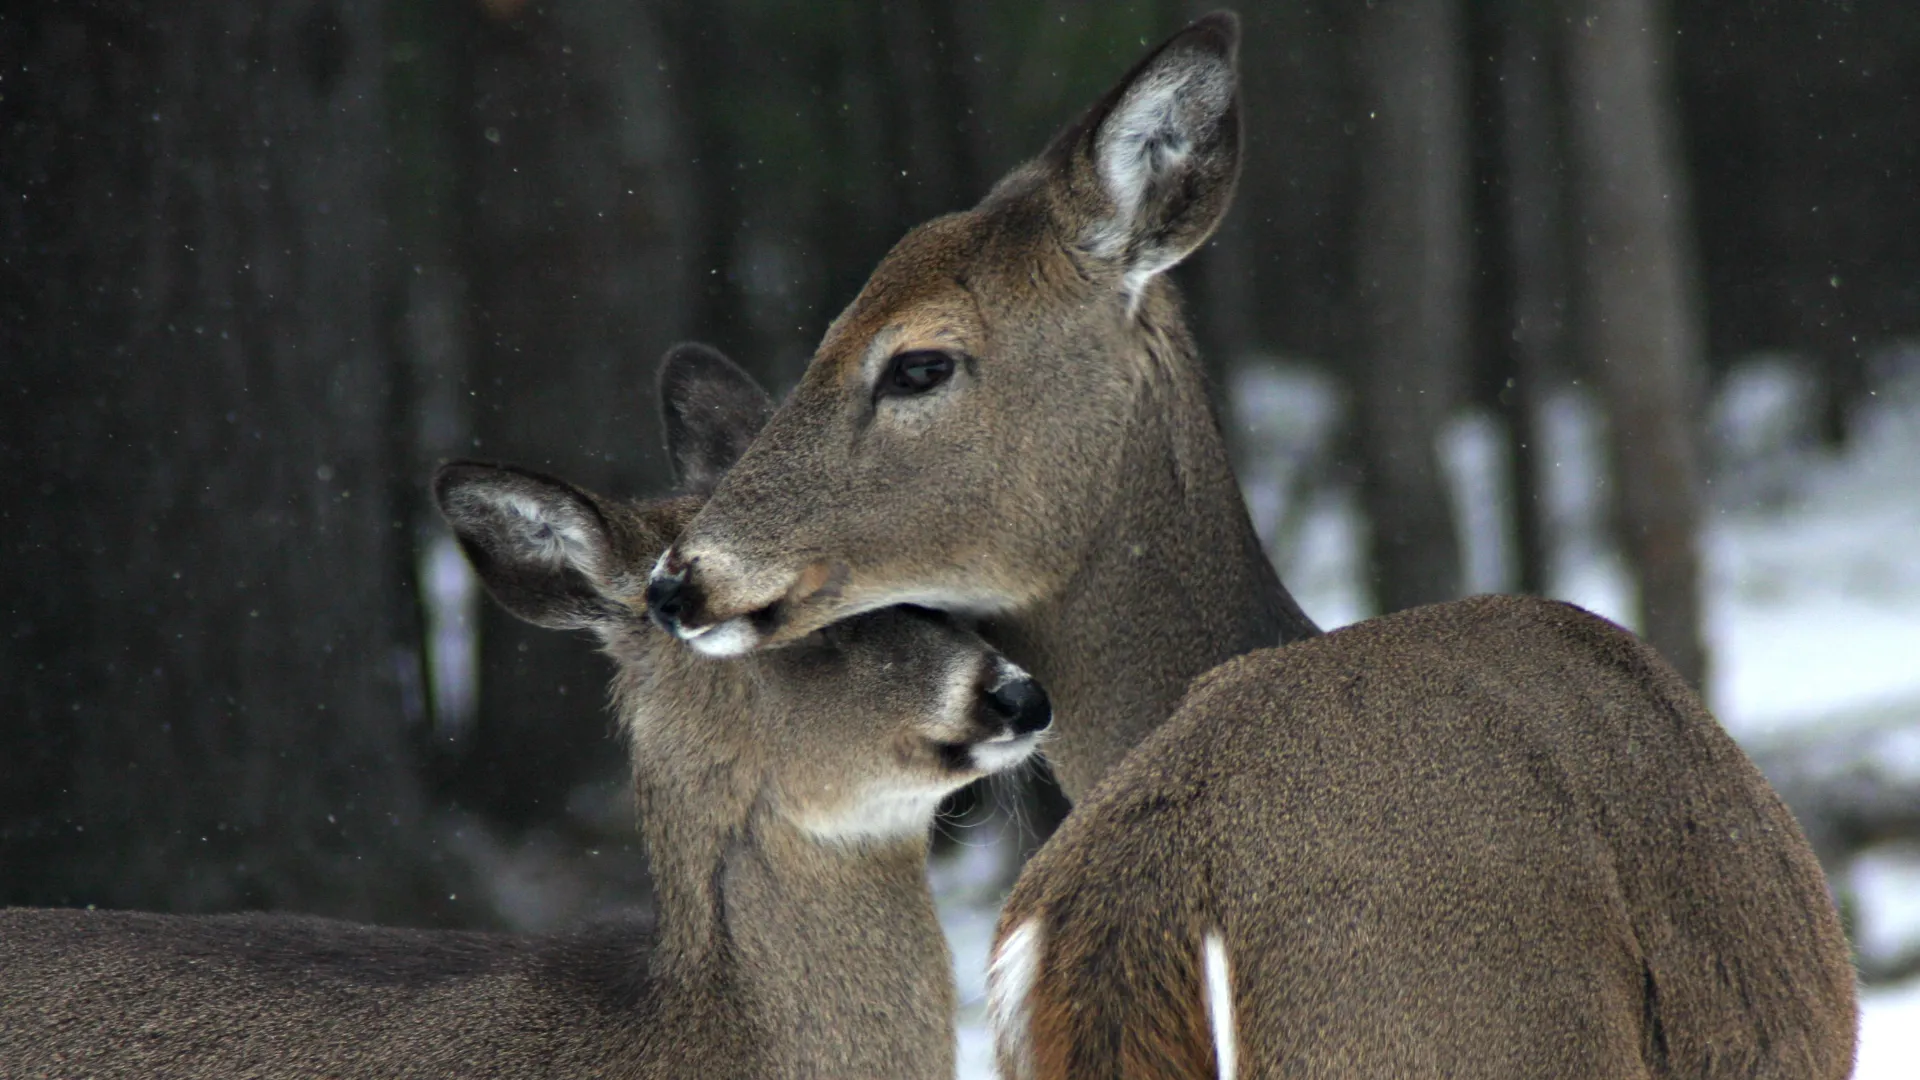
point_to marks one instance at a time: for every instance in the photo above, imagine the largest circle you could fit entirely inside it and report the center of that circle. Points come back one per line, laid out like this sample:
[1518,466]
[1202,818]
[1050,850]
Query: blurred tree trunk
[429,87]
[1411,266]
[1531,237]
[205,632]
[1298,189]
[578,283]
[1799,122]
[705,82]
[930,88]
[1639,319]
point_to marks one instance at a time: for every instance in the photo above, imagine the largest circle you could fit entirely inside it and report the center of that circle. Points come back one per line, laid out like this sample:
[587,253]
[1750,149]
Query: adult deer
[1492,838]
[785,801]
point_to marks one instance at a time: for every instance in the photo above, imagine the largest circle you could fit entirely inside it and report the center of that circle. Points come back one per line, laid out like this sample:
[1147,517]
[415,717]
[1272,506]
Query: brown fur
[1494,838]
[777,952]
[1165,1034]
[1411,835]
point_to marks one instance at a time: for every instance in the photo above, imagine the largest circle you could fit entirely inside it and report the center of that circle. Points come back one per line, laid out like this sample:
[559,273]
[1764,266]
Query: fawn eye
[915,372]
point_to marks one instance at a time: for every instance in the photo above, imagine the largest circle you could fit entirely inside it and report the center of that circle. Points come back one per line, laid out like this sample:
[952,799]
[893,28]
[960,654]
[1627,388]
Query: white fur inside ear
[553,539]
[1145,141]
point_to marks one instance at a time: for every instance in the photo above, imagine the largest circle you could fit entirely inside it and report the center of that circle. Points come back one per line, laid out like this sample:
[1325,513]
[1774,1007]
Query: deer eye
[915,372]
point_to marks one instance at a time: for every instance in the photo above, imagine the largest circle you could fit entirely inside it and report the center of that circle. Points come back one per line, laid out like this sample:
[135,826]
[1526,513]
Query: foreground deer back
[1492,838]
[1519,840]
[785,799]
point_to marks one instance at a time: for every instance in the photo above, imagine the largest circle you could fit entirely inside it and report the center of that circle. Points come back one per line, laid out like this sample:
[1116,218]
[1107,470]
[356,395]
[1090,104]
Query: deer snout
[671,597]
[701,599]
[1015,709]
[1019,701]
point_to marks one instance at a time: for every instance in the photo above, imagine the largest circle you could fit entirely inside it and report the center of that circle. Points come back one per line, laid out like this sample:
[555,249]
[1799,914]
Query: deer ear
[541,546]
[1161,152]
[712,411]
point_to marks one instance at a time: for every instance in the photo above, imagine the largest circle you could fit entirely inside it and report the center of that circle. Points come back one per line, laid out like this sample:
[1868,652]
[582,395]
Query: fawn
[785,800]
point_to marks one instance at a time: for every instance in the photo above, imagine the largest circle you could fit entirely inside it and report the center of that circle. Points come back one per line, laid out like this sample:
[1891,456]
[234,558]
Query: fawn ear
[542,547]
[1150,170]
[712,411]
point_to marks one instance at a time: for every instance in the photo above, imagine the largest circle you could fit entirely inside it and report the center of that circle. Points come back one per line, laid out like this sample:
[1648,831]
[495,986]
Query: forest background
[264,263]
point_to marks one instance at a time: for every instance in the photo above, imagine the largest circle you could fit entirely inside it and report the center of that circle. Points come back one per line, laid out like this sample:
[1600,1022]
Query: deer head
[958,438]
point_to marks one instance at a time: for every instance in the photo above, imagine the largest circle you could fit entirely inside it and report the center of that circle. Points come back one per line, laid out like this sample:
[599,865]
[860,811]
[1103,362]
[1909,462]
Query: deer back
[1490,838]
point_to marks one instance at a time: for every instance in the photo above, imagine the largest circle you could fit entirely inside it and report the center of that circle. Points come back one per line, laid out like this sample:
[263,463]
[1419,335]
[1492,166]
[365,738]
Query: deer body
[1490,838]
[1409,842]
[785,801]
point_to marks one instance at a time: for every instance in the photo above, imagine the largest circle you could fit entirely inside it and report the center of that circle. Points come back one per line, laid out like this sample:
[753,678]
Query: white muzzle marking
[735,637]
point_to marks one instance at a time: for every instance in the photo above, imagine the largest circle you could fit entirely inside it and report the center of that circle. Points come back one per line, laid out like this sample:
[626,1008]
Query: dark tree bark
[1799,122]
[1639,319]
[1292,220]
[931,88]
[205,593]
[578,284]
[1529,241]
[1411,284]
[429,92]
[706,81]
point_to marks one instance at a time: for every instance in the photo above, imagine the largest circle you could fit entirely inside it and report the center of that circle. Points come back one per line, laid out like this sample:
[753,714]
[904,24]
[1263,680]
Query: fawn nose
[1020,701]
[670,597]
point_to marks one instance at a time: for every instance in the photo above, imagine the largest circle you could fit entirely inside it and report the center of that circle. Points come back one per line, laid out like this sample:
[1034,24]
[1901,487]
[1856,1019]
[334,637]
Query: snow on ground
[1814,608]
[1812,605]
[1889,1034]
[1885,884]
[965,887]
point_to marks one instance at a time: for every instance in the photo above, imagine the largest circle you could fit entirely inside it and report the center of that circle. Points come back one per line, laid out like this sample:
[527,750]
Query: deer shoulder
[1386,851]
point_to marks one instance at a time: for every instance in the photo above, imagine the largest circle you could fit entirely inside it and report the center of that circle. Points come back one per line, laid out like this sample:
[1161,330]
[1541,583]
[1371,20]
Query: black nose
[668,599]
[1021,703]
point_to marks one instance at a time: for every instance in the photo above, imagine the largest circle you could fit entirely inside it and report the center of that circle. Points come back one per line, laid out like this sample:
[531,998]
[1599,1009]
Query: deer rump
[1408,843]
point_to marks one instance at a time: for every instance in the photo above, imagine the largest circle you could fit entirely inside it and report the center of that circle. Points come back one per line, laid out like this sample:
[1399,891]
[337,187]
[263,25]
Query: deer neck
[1173,581]
[841,959]
[830,955]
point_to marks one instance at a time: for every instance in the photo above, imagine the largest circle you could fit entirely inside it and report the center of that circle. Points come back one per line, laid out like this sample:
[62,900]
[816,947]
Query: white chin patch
[735,637]
[1003,752]
[881,817]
